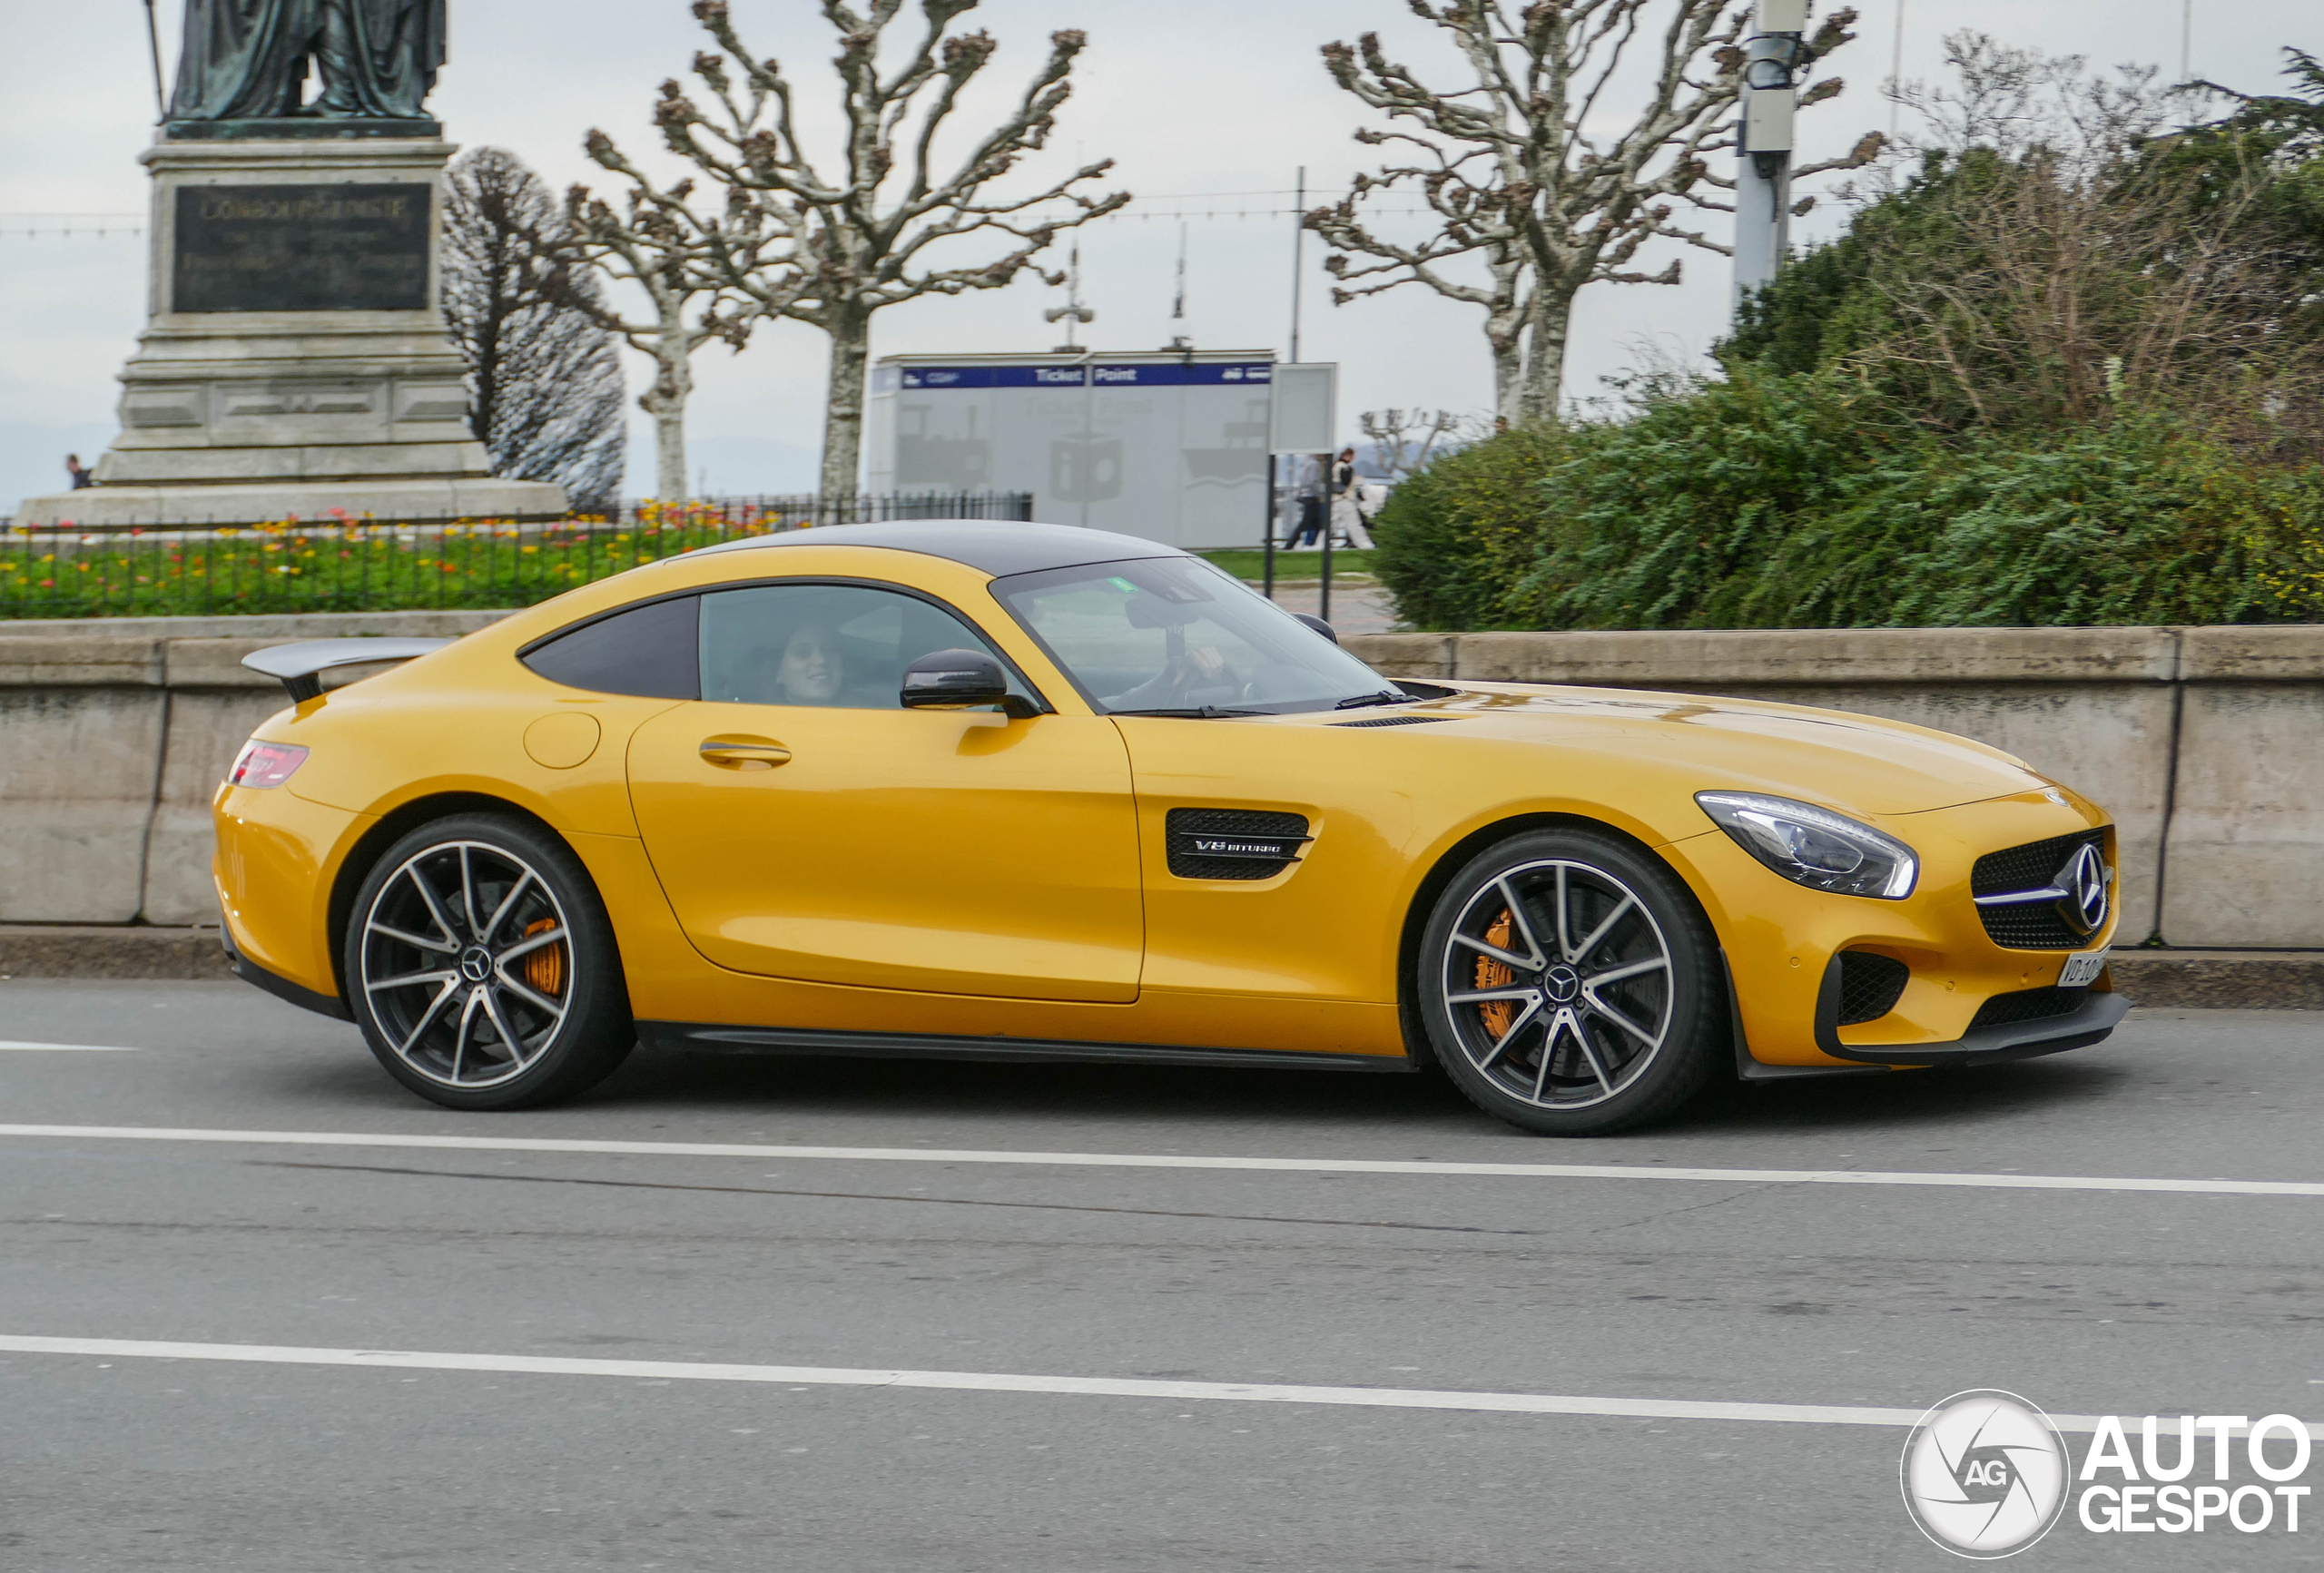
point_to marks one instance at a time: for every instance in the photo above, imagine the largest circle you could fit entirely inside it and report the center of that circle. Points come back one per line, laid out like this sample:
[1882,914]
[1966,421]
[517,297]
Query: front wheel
[482,969]
[1570,985]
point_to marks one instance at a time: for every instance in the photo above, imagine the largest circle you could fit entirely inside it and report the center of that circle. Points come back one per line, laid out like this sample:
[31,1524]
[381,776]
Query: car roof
[997,547]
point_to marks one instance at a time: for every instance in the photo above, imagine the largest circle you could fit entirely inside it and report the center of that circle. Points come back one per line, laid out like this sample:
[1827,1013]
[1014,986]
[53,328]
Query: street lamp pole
[1896,68]
[1298,253]
[1772,59]
[1298,247]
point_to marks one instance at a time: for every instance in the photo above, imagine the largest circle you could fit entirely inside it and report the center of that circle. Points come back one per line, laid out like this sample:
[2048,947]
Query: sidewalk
[1359,605]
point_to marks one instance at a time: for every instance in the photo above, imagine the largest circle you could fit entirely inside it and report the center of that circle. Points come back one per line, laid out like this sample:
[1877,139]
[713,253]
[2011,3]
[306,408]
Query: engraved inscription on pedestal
[146,409]
[303,398]
[302,248]
[420,401]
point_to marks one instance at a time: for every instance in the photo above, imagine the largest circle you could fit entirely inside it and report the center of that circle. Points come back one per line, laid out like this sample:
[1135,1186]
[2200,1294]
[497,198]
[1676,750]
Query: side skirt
[705,1037]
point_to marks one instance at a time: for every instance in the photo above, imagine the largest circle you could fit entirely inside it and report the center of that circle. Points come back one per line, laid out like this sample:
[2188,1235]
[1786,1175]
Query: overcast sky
[1192,98]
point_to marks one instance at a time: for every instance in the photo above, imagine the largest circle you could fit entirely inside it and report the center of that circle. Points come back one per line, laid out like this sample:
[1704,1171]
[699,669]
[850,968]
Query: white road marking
[66,1048]
[2212,1187]
[972,1381]
[801,1377]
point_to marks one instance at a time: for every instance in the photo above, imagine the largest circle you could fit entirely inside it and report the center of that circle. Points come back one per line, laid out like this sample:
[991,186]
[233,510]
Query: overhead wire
[1209,210]
[70,226]
[1188,215]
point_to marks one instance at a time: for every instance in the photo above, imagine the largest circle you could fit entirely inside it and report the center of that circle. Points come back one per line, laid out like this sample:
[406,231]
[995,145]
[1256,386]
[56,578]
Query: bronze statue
[248,59]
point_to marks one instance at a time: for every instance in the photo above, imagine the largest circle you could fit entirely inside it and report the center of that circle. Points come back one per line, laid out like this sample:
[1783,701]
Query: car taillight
[265,764]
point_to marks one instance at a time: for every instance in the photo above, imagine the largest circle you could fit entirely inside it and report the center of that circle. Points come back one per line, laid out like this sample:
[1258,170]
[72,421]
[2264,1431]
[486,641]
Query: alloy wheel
[1557,984]
[466,964]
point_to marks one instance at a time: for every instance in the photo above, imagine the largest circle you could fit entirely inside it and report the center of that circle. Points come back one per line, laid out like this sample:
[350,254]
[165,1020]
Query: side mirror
[1318,625]
[947,678]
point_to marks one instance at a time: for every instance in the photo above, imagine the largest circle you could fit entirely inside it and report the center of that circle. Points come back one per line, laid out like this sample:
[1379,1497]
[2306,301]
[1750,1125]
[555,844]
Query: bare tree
[2012,100]
[857,237]
[1517,178]
[1401,439]
[680,262]
[2063,265]
[545,382]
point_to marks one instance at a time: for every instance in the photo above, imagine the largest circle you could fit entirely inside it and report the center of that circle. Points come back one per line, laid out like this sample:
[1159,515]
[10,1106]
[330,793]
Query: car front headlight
[1815,846]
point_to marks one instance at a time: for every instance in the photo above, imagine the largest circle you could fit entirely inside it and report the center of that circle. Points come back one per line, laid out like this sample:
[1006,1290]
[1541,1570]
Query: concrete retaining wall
[2207,744]
[114,734]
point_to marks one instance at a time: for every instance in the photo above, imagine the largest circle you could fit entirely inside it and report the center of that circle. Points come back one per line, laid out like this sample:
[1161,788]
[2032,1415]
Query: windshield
[1180,634]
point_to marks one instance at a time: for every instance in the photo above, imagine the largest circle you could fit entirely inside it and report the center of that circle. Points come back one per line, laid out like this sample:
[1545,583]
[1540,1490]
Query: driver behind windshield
[1190,675]
[1178,635]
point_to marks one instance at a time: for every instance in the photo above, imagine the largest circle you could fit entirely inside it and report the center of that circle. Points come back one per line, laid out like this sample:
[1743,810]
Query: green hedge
[1451,538]
[1800,501]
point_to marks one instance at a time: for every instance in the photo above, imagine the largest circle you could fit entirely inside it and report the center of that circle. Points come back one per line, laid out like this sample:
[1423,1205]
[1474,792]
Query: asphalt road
[1702,1290]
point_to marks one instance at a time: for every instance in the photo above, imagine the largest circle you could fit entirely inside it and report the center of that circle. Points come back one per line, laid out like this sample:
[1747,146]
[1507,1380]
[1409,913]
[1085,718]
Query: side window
[839,646]
[647,651]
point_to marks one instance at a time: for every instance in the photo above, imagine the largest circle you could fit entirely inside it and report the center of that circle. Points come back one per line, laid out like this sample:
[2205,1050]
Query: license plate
[2082,970]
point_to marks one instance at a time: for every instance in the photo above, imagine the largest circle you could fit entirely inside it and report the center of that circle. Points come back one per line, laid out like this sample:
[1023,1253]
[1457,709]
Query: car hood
[1844,760]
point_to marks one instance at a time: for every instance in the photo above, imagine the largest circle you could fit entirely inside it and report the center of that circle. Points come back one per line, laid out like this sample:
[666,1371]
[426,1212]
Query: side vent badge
[1232,843]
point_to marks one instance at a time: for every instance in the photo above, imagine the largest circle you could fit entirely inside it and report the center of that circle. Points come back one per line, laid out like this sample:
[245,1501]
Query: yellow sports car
[1027,792]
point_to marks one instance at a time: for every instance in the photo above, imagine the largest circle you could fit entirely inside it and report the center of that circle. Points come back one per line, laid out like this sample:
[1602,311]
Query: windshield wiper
[1385,696]
[1195,712]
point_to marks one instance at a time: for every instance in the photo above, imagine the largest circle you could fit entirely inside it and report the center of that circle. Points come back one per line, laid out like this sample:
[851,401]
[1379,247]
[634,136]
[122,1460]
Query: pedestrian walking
[78,471]
[1307,503]
[1348,524]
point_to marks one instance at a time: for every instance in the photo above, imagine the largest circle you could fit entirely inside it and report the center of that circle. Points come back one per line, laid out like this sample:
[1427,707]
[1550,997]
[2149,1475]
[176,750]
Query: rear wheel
[482,969]
[1569,985]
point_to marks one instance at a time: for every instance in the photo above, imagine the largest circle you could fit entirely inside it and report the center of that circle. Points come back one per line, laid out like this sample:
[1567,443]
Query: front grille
[2037,925]
[2029,867]
[1266,843]
[1870,986]
[2037,928]
[2028,1005]
[1395,721]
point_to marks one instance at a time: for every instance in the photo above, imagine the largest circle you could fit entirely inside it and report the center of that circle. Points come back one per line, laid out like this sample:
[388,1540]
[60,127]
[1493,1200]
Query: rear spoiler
[300,667]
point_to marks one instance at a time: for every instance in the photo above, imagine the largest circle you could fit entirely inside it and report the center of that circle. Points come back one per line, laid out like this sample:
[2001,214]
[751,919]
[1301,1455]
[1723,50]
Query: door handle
[744,752]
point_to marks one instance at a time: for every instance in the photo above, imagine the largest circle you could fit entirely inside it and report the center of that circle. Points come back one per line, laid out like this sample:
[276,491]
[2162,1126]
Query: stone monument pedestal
[295,362]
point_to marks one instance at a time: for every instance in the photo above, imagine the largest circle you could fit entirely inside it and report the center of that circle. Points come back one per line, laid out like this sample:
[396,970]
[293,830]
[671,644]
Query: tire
[482,969]
[1614,1021]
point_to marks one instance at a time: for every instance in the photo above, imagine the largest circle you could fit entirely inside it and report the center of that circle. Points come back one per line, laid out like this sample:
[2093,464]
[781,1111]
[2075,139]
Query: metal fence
[342,565]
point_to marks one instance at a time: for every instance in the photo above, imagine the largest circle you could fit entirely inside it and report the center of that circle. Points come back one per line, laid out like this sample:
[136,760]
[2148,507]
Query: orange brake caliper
[545,968]
[1492,974]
